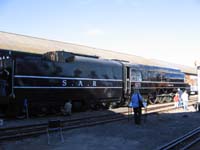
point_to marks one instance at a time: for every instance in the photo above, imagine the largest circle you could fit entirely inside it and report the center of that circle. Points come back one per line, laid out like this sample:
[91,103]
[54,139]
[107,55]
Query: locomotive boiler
[156,84]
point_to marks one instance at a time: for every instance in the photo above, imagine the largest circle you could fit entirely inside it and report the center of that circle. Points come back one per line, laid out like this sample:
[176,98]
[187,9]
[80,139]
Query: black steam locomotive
[45,82]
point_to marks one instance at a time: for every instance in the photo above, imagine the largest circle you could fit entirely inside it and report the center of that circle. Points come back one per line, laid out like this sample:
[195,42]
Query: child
[176,100]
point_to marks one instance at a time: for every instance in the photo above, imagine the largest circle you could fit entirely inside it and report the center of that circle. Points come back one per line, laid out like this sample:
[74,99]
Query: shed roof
[19,42]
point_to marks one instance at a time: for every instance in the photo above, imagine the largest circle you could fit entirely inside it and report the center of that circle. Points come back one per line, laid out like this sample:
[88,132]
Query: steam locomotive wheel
[106,105]
[113,105]
[2,114]
[42,111]
[151,101]
[3,111]
[17,111]
[77,105]
[162,99]
[168,99]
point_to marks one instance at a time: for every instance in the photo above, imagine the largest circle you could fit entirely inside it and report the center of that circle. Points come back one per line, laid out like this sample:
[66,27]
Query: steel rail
[76,123]
[35,129]
[179,142]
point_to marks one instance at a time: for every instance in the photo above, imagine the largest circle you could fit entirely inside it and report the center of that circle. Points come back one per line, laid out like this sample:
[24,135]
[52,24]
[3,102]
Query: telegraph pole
[197,64]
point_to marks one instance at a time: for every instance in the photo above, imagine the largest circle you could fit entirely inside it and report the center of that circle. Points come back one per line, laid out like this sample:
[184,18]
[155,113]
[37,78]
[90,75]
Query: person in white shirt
[67,109]
[184,97]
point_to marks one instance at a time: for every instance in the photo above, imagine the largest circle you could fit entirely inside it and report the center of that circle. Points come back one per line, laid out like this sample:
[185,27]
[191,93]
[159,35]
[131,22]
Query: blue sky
[163,29]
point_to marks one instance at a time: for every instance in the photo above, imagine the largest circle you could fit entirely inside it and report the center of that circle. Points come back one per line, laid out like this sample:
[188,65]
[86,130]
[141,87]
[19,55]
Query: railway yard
[84,79]
[126,75]
[163,127]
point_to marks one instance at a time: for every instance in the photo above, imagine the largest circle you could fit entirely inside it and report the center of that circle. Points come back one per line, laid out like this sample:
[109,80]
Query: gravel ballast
[154,131]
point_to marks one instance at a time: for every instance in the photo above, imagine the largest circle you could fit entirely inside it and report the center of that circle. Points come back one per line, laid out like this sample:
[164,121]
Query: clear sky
[168,30]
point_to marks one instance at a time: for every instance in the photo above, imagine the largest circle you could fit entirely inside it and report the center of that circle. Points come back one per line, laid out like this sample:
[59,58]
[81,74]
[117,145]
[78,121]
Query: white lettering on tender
[94,83]
[80,83]
[64,82]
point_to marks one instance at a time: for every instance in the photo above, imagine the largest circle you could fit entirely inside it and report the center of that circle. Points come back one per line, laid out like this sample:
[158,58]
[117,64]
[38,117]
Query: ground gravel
[154,131]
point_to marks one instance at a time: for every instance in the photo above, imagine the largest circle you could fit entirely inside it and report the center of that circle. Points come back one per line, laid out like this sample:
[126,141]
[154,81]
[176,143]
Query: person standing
[176,100]
[136,103]
[67,108]
[184,97]
[180,102]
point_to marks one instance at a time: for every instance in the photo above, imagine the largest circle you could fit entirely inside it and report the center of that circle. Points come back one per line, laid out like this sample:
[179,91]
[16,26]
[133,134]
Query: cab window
[136,75]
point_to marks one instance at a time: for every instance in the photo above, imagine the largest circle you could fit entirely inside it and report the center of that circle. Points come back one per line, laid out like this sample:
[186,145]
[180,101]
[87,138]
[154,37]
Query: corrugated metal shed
[38,45]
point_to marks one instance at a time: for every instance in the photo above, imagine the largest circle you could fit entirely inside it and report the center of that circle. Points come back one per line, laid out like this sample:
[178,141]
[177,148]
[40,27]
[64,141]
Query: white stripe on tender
[54,87]
[47,77]
[157,82]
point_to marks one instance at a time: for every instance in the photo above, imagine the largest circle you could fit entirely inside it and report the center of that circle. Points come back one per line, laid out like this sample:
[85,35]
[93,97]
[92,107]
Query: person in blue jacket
[136,103]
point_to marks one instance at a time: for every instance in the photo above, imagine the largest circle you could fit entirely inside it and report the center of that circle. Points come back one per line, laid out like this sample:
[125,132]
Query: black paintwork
[154,79]
[54,77]
[61,76]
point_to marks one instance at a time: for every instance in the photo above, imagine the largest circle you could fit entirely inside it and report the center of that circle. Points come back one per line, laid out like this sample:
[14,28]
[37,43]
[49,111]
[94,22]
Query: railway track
[166,107]
[72,123]
[184,142]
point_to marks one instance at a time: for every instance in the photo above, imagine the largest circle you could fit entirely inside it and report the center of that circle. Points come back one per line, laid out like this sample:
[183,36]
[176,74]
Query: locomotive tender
[45,82]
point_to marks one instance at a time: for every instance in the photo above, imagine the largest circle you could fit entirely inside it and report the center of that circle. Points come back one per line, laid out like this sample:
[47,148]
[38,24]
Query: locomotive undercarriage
[46,103]
[157,95]
[160,96]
